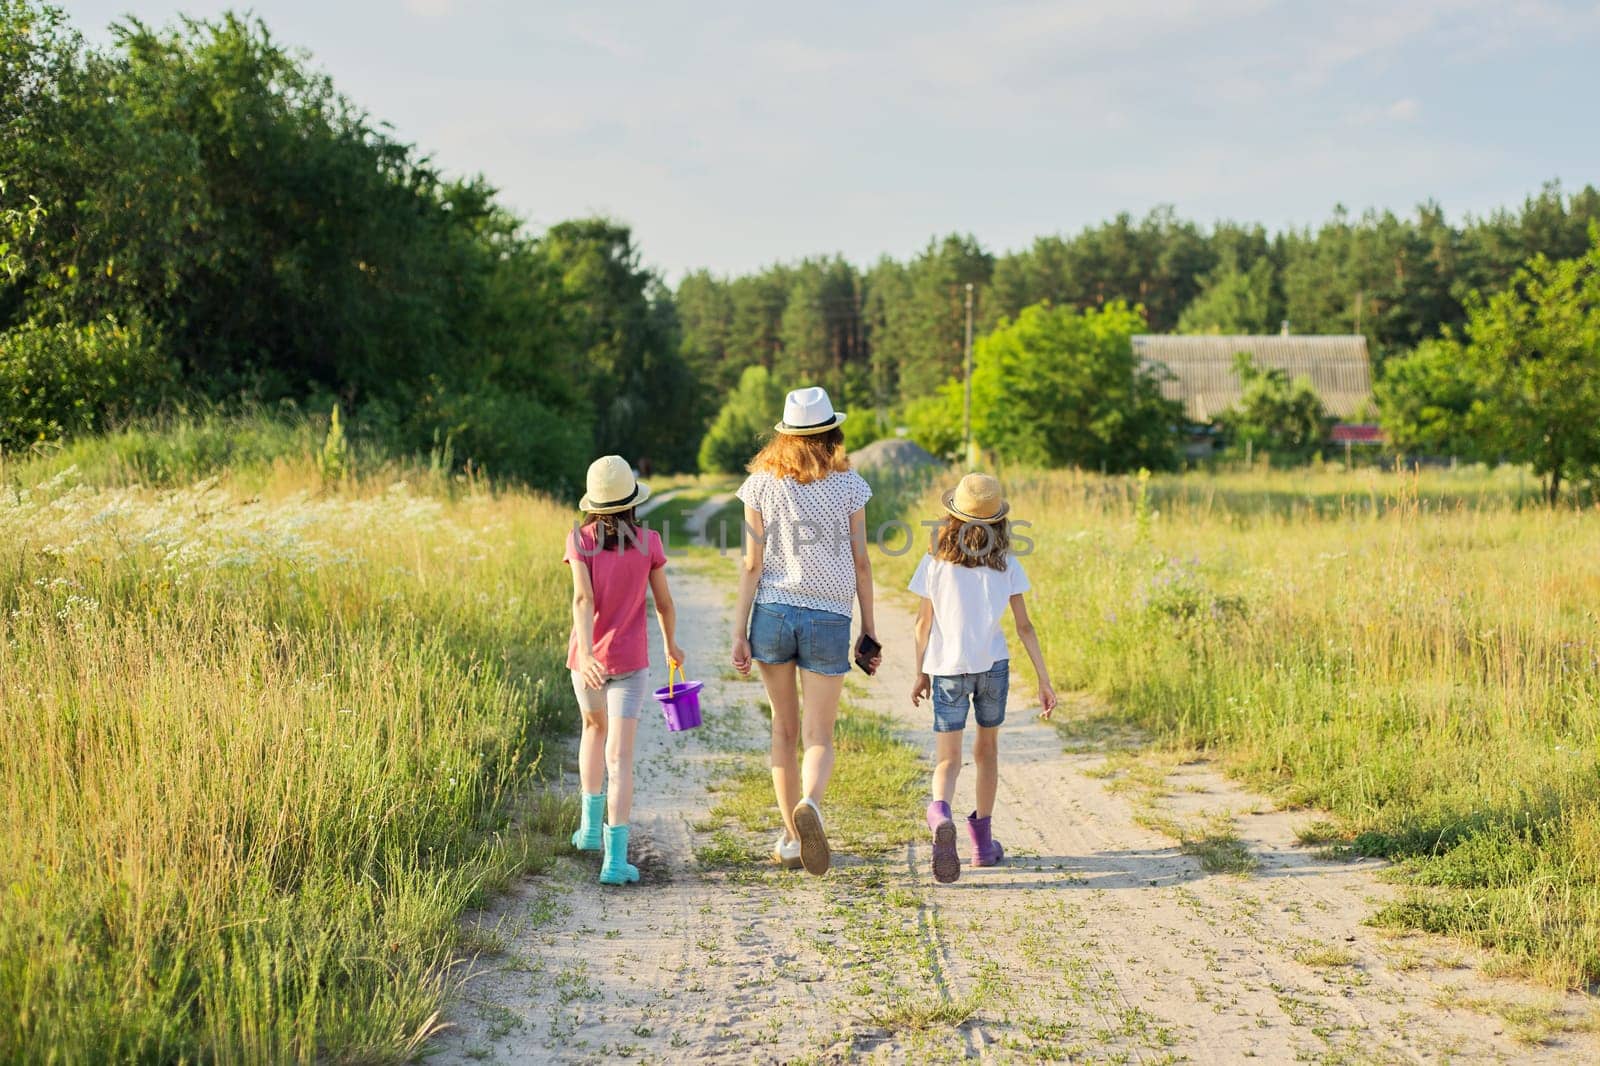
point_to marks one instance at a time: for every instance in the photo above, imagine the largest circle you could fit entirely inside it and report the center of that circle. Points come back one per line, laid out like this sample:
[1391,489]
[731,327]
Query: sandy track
[1099,941]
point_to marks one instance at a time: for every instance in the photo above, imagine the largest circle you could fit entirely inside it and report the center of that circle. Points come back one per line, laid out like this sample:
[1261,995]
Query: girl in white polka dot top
[805,566]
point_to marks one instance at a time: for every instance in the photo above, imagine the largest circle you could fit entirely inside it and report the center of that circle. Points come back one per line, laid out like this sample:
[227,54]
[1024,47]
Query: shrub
[1060,387]
[507,432]
[1275,414]
[62,379]
[743,424]
[864,426]
[934,421]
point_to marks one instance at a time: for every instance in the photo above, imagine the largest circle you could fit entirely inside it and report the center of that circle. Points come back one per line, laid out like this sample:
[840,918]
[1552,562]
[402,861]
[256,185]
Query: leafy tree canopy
[744,424]
[1274,414]
[1534,349]
[1061,387]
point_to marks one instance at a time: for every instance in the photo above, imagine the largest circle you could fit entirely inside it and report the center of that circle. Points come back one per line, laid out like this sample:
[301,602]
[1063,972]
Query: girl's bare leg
[821,708]
[986,756]
[619,768]
[947,765]
[592,753]
[784,696]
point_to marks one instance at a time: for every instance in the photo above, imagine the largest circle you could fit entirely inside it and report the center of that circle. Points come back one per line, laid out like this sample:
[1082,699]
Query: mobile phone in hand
[866,650]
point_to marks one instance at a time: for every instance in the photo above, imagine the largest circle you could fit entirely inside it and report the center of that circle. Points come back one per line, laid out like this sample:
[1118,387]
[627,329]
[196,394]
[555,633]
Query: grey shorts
[623,696]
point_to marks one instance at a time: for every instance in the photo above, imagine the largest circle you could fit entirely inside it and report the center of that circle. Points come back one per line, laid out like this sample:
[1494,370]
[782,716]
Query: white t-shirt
[969,603]
[808,561]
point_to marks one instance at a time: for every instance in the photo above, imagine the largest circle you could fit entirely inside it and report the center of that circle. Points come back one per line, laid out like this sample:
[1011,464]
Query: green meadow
[1417,654]
[270,730]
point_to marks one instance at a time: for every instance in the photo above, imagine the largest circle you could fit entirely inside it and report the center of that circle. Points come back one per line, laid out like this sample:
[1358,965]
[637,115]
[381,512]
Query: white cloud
[432,9]
[1405,110]
[606,33]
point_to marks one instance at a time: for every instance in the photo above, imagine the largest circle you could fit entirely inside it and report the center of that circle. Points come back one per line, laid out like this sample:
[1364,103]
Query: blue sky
[732,135]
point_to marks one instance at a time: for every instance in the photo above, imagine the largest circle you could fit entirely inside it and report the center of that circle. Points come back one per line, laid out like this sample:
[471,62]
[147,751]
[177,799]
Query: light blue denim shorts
[984,694]
[818,640]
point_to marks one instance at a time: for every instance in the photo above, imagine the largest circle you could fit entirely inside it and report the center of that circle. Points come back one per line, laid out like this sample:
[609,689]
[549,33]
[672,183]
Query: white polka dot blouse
[808,560]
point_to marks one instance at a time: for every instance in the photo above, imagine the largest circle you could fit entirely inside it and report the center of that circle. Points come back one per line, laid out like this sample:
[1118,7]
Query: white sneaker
[814,853]
[786,852]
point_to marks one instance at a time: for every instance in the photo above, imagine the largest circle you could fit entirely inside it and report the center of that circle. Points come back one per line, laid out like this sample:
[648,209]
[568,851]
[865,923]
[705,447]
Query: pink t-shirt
[620,578]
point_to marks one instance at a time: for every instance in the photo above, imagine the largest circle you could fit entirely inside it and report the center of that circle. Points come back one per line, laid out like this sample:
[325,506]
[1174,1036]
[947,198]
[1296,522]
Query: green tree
[1535,350]
[1426,400]
[1059,387]
[934,422]
[625,343]
[61,379]
[884,309]
[1285,418]
[924,333]
[1235,301]
[821,328]
[1154,262]
[705,322]
[744,424]
[755,335]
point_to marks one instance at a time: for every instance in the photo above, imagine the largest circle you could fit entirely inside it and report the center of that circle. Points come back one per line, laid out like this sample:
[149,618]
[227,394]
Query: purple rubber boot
[946,863]
[986,850]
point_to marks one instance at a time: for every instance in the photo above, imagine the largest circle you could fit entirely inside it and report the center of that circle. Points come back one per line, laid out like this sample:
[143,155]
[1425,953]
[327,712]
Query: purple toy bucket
[680,703]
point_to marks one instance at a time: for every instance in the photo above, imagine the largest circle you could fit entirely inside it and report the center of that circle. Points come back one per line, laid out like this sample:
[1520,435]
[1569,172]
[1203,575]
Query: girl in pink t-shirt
[614,561]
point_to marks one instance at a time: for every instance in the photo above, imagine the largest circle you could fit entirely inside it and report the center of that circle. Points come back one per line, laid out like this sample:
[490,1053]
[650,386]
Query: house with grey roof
[1201,374]
[1204,381]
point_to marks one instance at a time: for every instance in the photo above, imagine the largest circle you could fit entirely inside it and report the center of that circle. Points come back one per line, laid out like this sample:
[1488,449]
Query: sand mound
[892,453]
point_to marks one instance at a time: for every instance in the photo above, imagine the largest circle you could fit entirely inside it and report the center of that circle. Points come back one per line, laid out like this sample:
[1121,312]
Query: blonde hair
[971,543]
[805,458]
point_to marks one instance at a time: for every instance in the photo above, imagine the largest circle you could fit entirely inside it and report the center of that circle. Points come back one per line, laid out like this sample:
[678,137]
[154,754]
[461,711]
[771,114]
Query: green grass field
[1418,654]
[265,733]
[272,728]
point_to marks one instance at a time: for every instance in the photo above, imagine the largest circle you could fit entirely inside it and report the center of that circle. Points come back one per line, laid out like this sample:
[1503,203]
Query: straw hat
[976,499]
[612,487]
[808,411]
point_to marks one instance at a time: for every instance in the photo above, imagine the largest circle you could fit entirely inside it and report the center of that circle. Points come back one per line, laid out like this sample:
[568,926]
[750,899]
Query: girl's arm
[755,555]
[923,685]
[666,614]
[1030,640]
[863,561]
[589,668]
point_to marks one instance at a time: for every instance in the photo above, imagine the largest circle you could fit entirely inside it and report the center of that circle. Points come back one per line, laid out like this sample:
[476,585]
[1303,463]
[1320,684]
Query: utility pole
[966,383]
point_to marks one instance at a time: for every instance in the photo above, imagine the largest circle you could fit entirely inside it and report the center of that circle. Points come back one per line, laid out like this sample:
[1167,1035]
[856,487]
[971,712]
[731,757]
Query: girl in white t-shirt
[966,583]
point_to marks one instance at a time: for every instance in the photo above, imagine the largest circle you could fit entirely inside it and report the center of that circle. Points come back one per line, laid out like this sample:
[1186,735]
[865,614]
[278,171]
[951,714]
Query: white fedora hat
[612,487]
[808,411]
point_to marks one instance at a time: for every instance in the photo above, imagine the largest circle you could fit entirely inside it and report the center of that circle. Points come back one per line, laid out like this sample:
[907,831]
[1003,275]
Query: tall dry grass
[1419,654]
[259,749]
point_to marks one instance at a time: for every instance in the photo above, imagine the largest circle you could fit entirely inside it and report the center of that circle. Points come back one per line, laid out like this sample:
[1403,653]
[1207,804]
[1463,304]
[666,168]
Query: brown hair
[619,530]
[806,458]
[973,543]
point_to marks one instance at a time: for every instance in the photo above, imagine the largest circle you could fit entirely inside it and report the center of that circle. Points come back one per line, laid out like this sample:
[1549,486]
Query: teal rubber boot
[617,870]
[587,838]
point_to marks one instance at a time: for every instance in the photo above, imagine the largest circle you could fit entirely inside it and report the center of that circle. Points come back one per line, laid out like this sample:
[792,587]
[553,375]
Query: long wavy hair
[805,458]
[968,543]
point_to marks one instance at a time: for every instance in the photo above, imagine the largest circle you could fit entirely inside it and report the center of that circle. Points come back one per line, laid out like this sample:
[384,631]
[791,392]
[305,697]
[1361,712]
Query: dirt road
[1101,940]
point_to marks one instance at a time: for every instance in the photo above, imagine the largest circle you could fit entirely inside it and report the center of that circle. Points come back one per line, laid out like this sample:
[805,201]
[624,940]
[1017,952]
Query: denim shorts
[818,640]
[985,693]
[622,697]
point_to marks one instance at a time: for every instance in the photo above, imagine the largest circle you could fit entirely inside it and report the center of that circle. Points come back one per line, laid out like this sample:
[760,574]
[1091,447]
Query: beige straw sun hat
[976,499]
[612,487]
